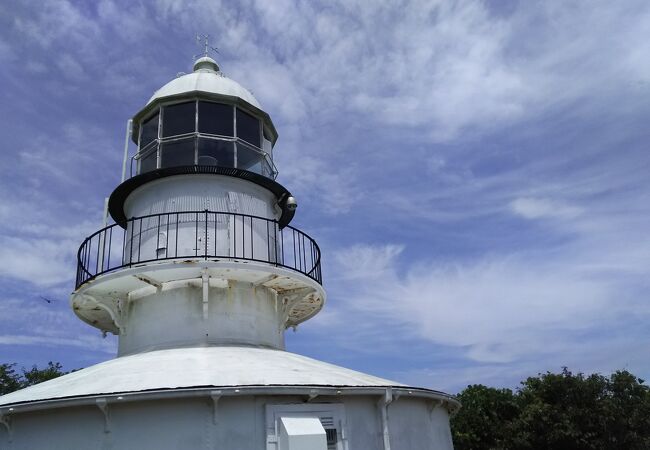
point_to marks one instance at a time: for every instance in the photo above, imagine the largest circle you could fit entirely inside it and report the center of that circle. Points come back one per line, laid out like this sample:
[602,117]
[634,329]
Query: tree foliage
[556,411]
[12,380]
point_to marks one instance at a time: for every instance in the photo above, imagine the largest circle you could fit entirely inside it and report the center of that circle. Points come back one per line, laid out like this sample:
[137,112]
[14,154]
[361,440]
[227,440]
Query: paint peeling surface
[196,367]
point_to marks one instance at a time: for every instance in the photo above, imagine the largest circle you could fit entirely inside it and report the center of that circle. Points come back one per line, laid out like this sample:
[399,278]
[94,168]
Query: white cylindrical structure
[235,313]
[202,192]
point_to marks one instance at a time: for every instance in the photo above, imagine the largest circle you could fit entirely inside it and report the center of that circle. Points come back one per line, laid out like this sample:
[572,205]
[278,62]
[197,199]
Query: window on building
[149,161]
[215,118]
[149,130]
[177,153]
[248,128]
[179,119]
[249,159]
[213,152]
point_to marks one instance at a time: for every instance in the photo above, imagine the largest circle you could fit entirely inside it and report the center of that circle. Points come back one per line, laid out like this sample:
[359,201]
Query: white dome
[205,78]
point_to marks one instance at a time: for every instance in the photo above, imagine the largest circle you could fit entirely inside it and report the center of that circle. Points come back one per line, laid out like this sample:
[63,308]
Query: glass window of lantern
[214,152]
[267,171]
[179,119]
[248,128]
[248,158]
[215,118]
[177,153]
[149,130]
[149,161]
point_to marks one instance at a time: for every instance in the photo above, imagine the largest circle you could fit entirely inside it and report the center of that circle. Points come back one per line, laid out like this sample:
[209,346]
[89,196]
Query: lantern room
[203,119]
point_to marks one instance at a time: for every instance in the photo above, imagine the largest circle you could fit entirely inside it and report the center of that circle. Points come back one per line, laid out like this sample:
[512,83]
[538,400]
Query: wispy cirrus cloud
[526,313]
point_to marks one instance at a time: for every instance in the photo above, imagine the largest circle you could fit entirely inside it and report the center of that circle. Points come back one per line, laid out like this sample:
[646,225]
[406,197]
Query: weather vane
[203,39]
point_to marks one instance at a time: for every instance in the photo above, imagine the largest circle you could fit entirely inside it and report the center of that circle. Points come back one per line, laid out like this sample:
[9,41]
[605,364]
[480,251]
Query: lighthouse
[199,276]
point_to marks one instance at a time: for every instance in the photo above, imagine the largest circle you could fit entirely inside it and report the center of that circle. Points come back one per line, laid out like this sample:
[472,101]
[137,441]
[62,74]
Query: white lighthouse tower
[200,276]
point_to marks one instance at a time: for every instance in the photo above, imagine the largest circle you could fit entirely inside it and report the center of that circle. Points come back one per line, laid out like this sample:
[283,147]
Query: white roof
[196,367]
[205,78]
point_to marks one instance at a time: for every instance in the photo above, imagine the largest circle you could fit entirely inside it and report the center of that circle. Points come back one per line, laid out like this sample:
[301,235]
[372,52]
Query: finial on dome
[205,62]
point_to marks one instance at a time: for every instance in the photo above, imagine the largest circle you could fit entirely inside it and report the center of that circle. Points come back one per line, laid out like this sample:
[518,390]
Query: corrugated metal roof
[194,367]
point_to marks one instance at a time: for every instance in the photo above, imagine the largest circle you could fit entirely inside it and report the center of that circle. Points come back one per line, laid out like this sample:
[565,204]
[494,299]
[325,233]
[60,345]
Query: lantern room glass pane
[149,130]
[248,128]
[213,152]
[215,118]
[249,159]
[179,119]
[177,153]
[149,161]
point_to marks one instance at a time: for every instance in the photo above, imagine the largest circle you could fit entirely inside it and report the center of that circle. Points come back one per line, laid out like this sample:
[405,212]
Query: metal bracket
[5,420]
[291,298]
[434,404]
[312,394]
[114,315]
[102,404]
[215,396]
[150,281]
[265,280]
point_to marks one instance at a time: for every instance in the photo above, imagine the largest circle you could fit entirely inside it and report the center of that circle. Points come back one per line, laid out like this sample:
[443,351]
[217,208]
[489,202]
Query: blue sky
[476,173]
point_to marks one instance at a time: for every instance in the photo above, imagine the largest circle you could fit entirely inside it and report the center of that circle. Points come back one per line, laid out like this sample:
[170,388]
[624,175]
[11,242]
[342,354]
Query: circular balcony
[194,236]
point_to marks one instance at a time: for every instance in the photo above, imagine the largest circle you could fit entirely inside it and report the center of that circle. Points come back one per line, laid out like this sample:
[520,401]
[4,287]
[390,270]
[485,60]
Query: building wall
[239,424]
[201,192]
[236,314]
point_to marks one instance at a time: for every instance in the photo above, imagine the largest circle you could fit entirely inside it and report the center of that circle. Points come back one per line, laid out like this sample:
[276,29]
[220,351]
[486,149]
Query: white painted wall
[235,313]
[239,424]
[200,192]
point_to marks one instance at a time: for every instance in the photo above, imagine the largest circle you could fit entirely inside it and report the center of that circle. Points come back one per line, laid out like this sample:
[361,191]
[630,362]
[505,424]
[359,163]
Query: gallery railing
[197,235]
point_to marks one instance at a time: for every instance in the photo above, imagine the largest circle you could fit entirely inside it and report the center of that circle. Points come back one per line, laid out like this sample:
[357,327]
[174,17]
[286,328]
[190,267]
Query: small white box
[302,433]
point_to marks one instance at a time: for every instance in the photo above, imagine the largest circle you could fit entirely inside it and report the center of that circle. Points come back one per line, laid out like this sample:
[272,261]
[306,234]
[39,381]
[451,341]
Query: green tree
[12,380]
[628,405]
[479,425]
[36,375]
[562,411]
[9,379]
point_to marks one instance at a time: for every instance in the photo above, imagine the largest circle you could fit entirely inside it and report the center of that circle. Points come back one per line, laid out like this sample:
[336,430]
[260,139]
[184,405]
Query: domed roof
[196,367]
[205,78]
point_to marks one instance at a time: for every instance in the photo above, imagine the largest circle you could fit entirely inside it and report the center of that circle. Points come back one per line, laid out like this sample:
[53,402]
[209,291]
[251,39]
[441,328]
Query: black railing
[191,235]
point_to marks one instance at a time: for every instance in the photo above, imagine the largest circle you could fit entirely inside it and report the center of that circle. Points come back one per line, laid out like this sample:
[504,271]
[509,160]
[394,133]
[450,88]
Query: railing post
[268,242]
[196,234]
[140,241]
[131,251]
[110,241]
[205,244]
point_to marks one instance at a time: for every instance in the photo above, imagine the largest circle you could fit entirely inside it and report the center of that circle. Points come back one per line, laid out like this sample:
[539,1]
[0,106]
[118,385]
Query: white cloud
[365,262]
[529,312]
[535,208]
[42,262]
[55,21]
[84,342]
[31,321]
